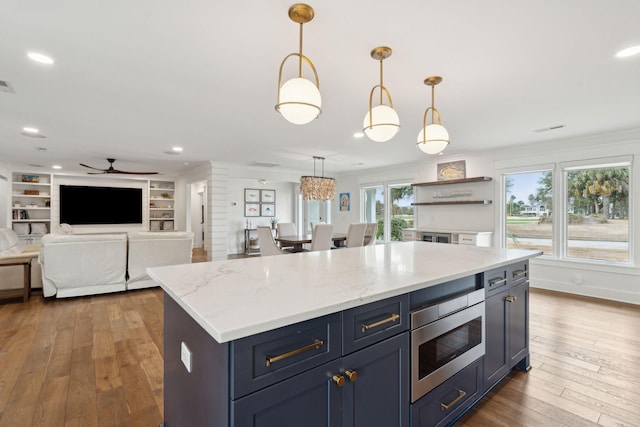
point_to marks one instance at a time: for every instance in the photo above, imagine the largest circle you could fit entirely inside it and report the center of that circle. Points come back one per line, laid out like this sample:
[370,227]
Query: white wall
[5,189]
[237,222]
[615,282]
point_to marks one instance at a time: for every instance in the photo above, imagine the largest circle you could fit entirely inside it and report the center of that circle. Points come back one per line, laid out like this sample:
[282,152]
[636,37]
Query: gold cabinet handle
[497,281]
[519,273]
[461,395]
[511,298]
[338,379]
[352,375]
[391,318]
[317,344]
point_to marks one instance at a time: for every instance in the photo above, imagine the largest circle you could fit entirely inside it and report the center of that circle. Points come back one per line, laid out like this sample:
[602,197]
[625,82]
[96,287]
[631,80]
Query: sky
[525,184]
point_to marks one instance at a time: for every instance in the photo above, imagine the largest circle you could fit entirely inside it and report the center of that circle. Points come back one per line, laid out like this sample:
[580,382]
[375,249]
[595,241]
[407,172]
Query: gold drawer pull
[461,395]
[338,379]
[317,344]
[391,318]
[497,281]
[351,374]
[518,274]
[511,298]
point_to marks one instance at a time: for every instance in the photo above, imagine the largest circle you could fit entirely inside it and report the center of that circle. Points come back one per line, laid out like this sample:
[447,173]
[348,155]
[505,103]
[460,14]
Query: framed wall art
[345,202]
[267,196]
[252,209]
[251,195]
[452,170]
[268,209]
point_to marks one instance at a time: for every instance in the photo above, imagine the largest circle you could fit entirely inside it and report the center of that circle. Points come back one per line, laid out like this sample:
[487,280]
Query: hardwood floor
[98,361]
[585,358]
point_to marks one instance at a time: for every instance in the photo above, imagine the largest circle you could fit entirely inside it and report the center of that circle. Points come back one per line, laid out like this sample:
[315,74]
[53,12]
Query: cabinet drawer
[264,359]
[467,239]
[371,323]
[495,280]
[408,236]
[519,272]
[450,399]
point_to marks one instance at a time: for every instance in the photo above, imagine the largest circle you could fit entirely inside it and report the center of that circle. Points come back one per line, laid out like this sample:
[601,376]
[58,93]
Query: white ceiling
[134,78]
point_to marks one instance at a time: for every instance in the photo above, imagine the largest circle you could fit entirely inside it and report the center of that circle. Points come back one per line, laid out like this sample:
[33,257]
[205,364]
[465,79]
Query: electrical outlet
[186,356]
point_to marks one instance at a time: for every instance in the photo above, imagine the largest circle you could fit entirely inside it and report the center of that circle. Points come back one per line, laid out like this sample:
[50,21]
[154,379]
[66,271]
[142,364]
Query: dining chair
[267,244]
[321,237]
[355,234]
[370,234]
[286,229]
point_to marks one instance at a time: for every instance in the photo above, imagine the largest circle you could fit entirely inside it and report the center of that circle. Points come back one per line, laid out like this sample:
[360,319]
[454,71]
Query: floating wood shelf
[454,181]
[458,202]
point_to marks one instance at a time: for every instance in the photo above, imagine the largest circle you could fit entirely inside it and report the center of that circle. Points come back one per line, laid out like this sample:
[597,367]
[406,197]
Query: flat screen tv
[84,205]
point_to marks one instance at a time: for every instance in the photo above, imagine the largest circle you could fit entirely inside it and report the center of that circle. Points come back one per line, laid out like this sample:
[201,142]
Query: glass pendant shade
[300,101]
[433,139]
[382,124]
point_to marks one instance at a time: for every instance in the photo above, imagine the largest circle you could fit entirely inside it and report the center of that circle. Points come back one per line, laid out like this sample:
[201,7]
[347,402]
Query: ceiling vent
[264,165]
[5,87]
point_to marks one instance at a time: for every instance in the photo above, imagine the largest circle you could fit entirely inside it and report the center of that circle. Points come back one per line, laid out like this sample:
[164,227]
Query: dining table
[297,240]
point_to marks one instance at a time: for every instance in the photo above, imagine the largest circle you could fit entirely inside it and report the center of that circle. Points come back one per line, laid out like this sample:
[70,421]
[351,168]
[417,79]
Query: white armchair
[11,249]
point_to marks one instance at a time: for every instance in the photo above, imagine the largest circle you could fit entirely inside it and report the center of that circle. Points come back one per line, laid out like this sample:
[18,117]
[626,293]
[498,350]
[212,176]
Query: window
[583,213]
[528,211]
[373,199]
[597,220]
[393,214]
[401,209]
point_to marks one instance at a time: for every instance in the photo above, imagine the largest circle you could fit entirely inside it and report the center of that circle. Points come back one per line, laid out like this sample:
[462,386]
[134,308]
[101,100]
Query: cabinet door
[311,399]
[496,362]
[518,321]
[379,395]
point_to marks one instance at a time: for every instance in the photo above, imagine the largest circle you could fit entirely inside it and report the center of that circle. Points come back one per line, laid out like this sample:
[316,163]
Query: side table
[25,293]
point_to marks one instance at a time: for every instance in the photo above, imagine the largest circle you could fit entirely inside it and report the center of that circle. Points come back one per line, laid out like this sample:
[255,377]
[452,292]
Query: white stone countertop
[242,297]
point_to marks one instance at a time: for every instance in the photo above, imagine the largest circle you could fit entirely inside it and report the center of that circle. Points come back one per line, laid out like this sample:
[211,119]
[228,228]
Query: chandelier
[381,122]
[317,187]
[433,138]
[299,99]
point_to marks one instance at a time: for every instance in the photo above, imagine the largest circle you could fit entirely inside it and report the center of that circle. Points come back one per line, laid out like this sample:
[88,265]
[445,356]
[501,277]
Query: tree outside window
[597,220]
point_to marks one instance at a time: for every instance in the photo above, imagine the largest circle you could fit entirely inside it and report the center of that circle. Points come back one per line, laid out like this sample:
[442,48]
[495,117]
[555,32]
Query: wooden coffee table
[25,293]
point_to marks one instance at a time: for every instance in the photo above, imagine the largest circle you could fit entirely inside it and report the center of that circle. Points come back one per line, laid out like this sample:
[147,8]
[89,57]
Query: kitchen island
[270,340]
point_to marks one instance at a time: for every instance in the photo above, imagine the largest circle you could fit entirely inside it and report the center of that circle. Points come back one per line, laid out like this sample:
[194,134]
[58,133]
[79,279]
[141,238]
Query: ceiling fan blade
[96,173]
[91,167]
[132,173]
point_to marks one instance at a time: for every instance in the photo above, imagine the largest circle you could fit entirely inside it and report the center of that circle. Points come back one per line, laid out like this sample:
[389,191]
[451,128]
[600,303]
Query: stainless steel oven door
[441,349]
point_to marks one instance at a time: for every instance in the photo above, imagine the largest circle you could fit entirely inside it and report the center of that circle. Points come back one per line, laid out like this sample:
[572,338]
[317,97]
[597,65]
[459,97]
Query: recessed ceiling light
[177,149]
[358,134]
[40,57]
[30,130]
[630,51]
[56,167]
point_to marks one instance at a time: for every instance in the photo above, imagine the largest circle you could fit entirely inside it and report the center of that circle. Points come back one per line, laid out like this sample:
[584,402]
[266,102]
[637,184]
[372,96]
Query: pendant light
[317,187]
[433,138]
[299,99]
[381,122]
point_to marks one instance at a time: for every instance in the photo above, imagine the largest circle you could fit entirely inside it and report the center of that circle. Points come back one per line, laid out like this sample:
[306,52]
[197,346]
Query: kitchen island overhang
[237,298]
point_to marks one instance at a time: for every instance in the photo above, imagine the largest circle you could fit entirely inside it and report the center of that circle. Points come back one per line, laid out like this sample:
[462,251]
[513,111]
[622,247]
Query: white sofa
[10,249]
[88,264]
[83,264]
[155,249]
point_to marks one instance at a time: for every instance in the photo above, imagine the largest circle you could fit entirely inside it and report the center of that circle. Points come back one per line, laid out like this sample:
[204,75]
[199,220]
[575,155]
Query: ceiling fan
[111,169]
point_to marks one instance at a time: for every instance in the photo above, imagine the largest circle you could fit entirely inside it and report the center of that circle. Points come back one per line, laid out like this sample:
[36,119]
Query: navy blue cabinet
[507,322]
[368,388]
